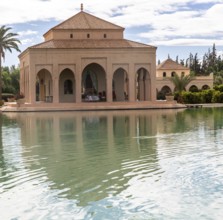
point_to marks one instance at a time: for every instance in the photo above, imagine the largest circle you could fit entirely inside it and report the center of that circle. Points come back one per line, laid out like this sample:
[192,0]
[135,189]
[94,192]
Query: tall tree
[182,62]
[8,41]
[177,59]
[195,66]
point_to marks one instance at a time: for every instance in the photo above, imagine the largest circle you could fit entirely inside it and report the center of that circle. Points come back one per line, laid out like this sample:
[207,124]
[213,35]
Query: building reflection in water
[92,154]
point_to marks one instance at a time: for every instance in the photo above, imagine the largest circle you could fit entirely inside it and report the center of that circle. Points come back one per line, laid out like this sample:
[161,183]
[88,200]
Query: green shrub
[176,96]
[217,97]
[219,88]
[160,96]
[191,97]
[197,98]
[207,95]
[185,97]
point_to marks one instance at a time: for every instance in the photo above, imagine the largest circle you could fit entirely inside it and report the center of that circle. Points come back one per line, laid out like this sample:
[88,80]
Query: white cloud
[159,22]
[187,24]
[188,42]
[26,33]
[27,41]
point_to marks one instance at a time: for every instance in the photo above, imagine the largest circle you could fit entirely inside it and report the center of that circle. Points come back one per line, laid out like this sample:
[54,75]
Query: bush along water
[206,96]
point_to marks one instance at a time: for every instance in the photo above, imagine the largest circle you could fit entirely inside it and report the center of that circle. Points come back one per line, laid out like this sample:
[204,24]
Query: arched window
[182,74]
[205,87]
[71,36]
[193,88]
[105,35]
[88,35]
[164,74]
[68,87]
[172,74]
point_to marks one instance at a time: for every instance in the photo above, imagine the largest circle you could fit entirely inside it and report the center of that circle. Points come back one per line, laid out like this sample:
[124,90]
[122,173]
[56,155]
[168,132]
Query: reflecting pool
[156,164]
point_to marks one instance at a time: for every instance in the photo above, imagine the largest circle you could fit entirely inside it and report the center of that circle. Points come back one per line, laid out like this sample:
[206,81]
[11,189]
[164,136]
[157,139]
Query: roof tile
[169,64]
[90,43]
[83,20]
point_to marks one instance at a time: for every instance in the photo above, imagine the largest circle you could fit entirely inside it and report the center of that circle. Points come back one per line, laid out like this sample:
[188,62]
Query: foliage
[210,63]
[205,96]
[180,82]
[191,97]
[161,96]
[217,97]
[219,88]
[8,41]
[10,80]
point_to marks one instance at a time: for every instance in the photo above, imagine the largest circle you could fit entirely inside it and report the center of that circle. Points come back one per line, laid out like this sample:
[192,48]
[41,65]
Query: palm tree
[8,41]
[181,82]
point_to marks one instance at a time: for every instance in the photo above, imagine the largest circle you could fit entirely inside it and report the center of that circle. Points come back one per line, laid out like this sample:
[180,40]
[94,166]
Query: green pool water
[156,164]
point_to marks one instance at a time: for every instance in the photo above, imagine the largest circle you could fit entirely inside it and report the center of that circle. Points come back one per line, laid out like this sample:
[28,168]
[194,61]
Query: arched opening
[143,85]
[67,86]
[166,90]
[120,85]
[44,86]
[173,74]
[193,88]
[163,92]
[93,86]
[205,87]
[164,74]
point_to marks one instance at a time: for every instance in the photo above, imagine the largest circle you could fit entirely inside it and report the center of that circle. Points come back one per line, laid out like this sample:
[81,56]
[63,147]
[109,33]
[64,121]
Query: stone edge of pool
[97,106]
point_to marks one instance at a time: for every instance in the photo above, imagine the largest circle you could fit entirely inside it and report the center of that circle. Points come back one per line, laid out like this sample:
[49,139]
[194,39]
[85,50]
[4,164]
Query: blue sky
[176,27]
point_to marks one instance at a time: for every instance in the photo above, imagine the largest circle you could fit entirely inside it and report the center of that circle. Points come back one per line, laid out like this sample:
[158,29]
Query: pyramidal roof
[83,20]
[88,44]
[169,64]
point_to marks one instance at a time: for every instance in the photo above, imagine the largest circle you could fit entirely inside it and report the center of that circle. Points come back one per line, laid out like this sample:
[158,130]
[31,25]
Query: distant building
[169,67]
[87,59]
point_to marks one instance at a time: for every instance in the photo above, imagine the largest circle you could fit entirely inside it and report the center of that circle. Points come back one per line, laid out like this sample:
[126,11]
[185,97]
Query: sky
[175,27]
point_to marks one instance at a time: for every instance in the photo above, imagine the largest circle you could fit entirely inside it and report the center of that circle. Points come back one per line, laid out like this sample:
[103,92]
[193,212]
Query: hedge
[205,96]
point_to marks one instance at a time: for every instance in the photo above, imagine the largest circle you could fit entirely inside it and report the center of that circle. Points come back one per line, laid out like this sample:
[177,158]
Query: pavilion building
[87,59]
[168,68]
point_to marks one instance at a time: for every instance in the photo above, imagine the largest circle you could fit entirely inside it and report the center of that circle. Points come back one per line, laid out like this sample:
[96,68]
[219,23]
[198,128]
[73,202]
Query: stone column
[109,85]
[78,80]
[56,79]
[141,85]
[132,84]
[31,85]
[152,74]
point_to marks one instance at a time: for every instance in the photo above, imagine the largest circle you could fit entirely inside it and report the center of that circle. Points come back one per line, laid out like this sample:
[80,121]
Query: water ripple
[176,174]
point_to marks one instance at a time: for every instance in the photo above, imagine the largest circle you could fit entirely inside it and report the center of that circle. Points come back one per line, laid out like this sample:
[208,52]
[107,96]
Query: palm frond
[8,42]
[180,82]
